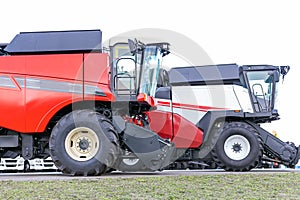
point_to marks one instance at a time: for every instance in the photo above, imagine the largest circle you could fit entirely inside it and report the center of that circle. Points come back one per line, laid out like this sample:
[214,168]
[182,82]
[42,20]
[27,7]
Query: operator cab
[262,83]
[136,69]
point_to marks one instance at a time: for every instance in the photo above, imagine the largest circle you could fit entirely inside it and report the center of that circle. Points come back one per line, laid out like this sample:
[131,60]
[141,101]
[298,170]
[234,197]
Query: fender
[209,124]
[44,121]
[208,120]
[40,126]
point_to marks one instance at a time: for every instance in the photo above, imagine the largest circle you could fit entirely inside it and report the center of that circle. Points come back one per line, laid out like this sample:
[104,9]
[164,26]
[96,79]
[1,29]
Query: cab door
[124,73]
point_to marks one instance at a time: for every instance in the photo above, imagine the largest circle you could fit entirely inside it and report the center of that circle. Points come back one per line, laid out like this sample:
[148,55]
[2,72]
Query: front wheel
[239,147]
[83,143]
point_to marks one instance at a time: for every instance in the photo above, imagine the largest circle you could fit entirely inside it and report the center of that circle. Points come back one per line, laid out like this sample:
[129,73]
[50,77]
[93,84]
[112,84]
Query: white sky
[256,32]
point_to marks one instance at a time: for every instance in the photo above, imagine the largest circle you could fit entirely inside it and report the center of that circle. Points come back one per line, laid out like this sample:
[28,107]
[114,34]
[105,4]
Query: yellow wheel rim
[82,144]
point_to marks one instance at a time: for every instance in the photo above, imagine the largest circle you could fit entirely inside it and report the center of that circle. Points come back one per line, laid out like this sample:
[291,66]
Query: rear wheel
[83,143]
[239,147]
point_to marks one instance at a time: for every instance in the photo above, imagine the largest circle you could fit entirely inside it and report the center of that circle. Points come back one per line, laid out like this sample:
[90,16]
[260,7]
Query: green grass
[228,186]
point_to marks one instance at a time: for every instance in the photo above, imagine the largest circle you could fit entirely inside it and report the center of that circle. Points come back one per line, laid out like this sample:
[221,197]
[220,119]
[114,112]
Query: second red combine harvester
[61,96]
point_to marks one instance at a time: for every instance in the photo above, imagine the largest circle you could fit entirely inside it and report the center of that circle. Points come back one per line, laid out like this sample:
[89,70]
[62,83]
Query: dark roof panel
[55,42]
[194,75]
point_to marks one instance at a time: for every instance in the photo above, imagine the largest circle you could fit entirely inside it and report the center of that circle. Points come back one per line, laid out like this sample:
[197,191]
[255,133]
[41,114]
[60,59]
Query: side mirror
[132,46]
[135,46]
[284,70]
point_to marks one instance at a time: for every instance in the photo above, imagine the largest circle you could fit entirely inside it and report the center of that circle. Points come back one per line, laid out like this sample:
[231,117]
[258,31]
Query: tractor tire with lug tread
[83,142]
[239,147]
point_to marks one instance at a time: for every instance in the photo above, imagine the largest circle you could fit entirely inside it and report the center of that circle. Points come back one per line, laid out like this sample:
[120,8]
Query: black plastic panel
[55,42]
[199,75]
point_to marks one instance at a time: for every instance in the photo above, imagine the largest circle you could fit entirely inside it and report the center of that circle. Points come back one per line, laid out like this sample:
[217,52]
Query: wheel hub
[237,147]
[82,144]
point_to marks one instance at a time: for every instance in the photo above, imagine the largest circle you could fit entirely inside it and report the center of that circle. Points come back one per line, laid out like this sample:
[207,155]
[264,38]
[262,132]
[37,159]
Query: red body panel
[96,73]
[186,134]
[12,64]
[47,83]
[161,123]
[181,131]
[12,107]
[62,66]
[41,106]
[96,68]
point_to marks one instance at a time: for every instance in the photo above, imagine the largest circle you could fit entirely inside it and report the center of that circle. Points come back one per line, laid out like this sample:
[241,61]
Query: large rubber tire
[239,147]
[83,142]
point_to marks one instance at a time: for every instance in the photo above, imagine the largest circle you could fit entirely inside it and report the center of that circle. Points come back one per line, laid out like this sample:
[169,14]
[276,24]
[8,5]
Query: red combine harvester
[62,96]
